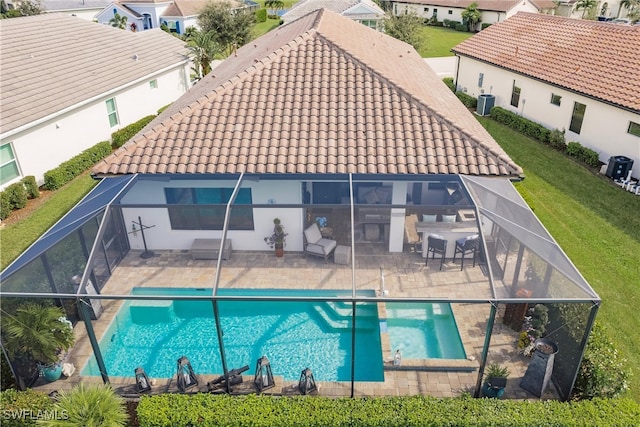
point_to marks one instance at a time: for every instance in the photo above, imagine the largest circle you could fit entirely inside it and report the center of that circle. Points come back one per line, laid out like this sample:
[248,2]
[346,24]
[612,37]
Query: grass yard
[598,226]
[439,41]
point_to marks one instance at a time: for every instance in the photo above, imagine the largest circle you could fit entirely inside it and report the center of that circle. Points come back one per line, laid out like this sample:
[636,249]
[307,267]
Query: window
[555,99]
[450,12]
[577,117]
[8,165]
[480,79]
[435,12]
[426,9]
[370,23]
[515,95]
[112,111]
[204,208]
[634,128]
[153,84]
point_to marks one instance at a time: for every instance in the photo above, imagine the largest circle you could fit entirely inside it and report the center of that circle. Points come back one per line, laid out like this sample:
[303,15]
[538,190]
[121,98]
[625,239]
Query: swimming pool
[293,335]
[424,331]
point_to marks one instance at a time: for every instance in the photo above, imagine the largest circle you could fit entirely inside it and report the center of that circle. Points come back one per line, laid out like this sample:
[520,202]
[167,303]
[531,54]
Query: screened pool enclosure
[124,267]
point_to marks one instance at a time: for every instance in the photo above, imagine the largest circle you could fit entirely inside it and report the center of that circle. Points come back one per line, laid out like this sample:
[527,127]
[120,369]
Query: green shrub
[451,24]
[5,205]
[163,108]
[603,372]
[449,82]
[20,408]
[583,154]
[56,178]
[461,27]
[31,186]
[119,137]
[223,410]
[557,140]
[468,100]
[17,195]
[261,15]
[95,405]
[484,25]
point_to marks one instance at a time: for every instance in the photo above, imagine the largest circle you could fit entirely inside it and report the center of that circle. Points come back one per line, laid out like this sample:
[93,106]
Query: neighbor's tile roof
[192,7]
[323,94]
[52,61]
[304,7]
[592,58]
[492,5]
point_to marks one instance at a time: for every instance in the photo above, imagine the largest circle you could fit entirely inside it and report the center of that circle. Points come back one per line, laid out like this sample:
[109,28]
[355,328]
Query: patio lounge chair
[317,245]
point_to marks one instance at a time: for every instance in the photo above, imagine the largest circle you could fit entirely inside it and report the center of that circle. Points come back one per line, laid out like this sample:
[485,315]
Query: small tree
[230,27]
[274,5]
[586,5]
[472,15]
[406,27]
[118,21]
[202,48]
[30,7]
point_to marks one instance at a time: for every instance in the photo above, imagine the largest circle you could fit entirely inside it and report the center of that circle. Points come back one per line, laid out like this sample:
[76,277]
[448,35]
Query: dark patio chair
[465,246]
[436,245]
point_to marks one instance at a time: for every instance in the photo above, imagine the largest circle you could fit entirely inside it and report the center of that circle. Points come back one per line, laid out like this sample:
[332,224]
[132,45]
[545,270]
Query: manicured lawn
[598,226]
[16,238]
[439,41]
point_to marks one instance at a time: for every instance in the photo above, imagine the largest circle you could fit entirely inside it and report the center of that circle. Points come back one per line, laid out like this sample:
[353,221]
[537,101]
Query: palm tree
[118,21]
[630,5]
[472,15]
[274,5]
[586,5]
[202,48]
[85,405]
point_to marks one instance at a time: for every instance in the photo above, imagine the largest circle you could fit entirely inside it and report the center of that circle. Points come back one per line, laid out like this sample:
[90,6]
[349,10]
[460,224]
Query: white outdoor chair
[317,245]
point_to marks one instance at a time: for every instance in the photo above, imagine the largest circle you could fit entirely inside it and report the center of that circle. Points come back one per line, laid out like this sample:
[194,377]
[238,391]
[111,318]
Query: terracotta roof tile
[323,95]
[597,59]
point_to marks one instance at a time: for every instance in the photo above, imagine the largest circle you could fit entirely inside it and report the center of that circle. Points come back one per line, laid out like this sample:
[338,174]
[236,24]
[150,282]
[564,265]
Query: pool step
[148,312]
[333,319]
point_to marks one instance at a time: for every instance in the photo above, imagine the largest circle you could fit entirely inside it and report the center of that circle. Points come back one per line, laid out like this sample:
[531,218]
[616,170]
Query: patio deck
[406,276]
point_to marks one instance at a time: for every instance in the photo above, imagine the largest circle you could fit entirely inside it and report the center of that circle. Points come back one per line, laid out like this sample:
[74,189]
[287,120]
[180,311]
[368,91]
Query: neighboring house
[604,9]
[492,11]
[366,12]
[85,9]
[575,75]
[71,83]
[177,15]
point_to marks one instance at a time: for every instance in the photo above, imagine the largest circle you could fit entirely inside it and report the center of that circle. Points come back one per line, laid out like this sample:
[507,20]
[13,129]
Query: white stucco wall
[604,128]
[162,237]
[46,145]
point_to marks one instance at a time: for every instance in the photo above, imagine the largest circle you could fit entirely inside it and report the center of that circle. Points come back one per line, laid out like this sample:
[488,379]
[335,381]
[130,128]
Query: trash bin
[619,167]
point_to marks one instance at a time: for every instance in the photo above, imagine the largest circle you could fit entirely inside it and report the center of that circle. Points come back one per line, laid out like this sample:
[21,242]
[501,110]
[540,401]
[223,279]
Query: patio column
[83,305]
[485,348]
[396,226]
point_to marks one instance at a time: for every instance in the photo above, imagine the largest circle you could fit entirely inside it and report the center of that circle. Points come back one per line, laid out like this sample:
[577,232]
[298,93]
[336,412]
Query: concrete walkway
[444,66]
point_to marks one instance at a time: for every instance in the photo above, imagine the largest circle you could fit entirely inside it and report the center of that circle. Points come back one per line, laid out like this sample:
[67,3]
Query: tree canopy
[231,28]
[118,21]
[406,27]
[472,15]
[202,49]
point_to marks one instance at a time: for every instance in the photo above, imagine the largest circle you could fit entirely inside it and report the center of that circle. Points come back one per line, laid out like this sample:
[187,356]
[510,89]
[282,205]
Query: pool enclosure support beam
[583,344]
[353,289]
[353,348]
[485,348]
[216,280]
[86,317]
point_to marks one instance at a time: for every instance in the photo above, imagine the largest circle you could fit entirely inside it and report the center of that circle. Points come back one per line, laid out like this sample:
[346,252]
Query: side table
[342,255]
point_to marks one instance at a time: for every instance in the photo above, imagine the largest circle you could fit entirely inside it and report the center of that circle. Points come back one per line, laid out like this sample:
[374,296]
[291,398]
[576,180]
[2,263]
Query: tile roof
[323,94]
[52,61]
[304,7]
[596,59]
[192,7]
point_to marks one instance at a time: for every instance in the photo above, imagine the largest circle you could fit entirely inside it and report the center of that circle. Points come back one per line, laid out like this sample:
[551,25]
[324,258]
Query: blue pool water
[424,331]
[293,335]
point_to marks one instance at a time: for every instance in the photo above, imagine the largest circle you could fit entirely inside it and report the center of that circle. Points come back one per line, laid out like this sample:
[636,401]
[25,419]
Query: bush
[207,409]
[449,82]
[603,372]
[557,140]
[451,24]
[583,154]
[468,100]
[95,405]
[261,15]
[17,195]
[31,186]
[20,408]
[461,27]
[119,137]
[484,25]
[5,205]
[56,178]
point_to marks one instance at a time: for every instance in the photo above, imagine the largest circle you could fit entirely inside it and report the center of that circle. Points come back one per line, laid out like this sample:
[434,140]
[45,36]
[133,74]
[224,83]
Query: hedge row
[119,137]
[258,410]
[261,15]
[56,178]
[554,138]
[468,100]
[16,195]
[21,408]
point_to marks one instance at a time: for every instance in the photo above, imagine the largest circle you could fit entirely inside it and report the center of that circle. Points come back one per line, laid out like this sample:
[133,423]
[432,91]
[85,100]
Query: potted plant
[277,239]
[41,333]
[495,380]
